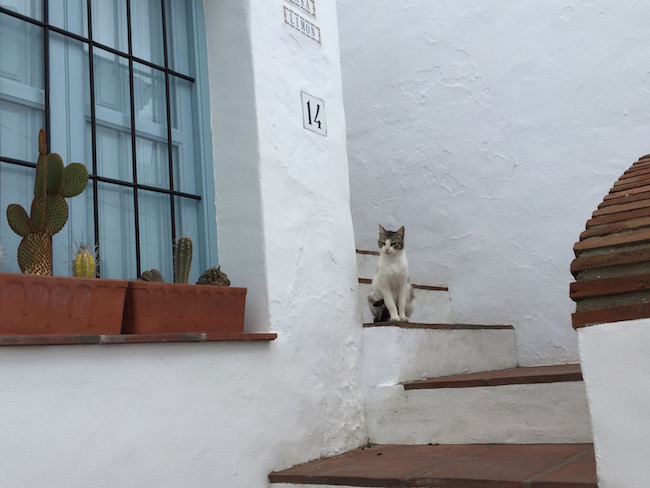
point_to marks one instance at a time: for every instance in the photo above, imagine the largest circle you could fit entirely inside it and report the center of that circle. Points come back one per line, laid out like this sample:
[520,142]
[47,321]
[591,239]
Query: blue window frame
[119,85]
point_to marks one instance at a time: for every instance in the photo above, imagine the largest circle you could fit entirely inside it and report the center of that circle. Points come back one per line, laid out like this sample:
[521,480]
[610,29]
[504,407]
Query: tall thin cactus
[182,259]
[53,183]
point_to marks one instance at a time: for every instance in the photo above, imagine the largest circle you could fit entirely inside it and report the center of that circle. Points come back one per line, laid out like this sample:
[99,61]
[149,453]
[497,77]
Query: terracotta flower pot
[173,308]
[40,305]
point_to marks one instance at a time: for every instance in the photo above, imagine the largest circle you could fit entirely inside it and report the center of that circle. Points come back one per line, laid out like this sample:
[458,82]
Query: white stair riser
[430,306]
[537,413]
[394,355]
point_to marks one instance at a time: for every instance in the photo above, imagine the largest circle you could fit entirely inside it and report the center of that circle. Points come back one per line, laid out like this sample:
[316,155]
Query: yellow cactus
[83,264]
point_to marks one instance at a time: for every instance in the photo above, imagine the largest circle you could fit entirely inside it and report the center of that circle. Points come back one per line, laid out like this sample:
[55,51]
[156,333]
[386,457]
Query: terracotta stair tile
[452,466]
[512,376]
[415,325]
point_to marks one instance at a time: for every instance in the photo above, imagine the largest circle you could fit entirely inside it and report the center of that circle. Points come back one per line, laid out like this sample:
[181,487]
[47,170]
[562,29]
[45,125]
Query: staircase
[447,406]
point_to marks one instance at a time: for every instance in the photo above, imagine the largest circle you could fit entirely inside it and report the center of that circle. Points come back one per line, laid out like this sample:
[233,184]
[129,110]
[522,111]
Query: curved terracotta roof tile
[612,264]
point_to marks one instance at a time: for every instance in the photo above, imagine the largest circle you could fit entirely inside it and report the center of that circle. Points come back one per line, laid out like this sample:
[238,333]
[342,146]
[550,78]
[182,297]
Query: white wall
[616,367]
[223,414]
[492,130]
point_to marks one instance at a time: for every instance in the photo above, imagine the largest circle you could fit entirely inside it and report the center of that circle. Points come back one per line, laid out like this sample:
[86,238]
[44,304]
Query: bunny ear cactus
[53,183]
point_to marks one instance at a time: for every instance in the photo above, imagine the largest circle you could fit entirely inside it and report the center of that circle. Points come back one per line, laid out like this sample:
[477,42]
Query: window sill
[94,339]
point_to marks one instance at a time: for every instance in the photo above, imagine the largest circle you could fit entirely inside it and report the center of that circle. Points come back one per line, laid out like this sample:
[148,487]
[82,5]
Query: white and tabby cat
[391,295]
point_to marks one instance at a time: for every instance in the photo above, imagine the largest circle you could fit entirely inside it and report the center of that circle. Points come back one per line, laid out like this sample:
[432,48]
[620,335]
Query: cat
[391,294]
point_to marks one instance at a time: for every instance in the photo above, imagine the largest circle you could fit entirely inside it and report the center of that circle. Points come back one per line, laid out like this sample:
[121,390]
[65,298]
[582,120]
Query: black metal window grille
[169,75]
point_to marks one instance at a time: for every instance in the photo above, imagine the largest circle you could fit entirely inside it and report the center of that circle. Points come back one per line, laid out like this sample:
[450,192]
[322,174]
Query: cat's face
[391,241]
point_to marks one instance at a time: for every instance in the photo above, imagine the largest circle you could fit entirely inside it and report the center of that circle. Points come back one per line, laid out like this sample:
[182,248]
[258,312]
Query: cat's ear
[400,232]
[382,231]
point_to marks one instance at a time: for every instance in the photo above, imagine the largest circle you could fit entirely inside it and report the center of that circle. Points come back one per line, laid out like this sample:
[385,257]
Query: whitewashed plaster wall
[223,414]
[492,130]
[616,367]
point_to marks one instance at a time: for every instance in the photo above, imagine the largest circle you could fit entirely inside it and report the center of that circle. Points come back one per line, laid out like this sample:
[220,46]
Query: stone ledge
[91,339]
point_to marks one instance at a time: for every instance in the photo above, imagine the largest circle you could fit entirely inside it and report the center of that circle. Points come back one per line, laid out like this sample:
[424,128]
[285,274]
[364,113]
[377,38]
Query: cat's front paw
[403,318]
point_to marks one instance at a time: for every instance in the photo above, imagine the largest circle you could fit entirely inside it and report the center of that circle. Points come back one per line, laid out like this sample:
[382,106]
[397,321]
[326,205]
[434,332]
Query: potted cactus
[210,306]
[36,303]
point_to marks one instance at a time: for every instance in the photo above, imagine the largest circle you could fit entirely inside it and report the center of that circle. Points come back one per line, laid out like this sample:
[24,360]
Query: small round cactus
[84,264]
[152,275]
[214,276]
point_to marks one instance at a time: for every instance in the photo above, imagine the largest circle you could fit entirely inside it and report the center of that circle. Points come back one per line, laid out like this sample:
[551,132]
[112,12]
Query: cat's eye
[381,243]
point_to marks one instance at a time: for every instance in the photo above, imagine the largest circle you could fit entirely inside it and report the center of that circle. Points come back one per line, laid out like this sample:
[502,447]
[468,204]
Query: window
[120,86]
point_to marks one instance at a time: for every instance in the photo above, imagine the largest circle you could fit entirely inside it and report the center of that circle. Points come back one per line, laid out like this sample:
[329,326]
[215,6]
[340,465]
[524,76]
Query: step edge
[440,326]
[491,378]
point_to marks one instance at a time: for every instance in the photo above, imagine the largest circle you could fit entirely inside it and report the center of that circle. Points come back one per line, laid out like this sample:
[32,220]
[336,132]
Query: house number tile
[313,114]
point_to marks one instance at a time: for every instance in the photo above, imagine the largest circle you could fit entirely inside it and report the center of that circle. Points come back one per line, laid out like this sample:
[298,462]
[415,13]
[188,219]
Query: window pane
[112,95]
[113,116]
[146,31]
[21,66]
[184,135]
[19,126]
[70,100]
[153,163]
[113,153]
[109,23]
[22,98]
[150,100]
[178,14]
[70,15]
[188,224]
[116,232]
[29,8]
[151,126]
[16,186]
[155,232]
